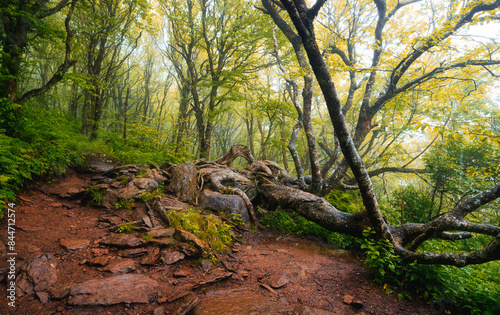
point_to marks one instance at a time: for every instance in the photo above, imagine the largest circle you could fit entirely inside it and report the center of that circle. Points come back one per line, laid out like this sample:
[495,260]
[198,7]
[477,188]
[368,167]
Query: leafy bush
[390,270]
[462,167]
[469,290]
[346,201]
[34,147]
[413,204]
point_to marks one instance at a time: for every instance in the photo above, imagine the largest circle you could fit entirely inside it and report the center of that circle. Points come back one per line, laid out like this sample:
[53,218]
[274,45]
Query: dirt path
[268,273]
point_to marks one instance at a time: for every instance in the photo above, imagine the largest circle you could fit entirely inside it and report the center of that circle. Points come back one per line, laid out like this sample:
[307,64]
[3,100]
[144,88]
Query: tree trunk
[125,110]
[182,117]
[269,179]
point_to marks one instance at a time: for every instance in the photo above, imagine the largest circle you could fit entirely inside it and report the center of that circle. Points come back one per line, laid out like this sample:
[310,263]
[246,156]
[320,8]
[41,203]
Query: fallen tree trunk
[270,180]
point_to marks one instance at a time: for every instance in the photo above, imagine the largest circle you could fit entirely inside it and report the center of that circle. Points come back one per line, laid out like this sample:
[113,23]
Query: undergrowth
[469,290]
[291,222]
[36,142]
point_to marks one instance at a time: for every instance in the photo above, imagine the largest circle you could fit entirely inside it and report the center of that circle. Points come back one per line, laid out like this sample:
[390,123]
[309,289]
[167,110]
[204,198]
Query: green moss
[208,227]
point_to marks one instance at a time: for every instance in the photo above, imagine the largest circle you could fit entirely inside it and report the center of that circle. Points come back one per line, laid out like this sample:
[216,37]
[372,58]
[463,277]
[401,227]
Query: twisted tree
[273,182]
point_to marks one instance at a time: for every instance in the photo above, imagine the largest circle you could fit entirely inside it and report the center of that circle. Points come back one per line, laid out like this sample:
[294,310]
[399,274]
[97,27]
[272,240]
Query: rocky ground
[69,261]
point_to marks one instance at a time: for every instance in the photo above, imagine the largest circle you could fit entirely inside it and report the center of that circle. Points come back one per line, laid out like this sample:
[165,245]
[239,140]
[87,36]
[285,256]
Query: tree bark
[298,12]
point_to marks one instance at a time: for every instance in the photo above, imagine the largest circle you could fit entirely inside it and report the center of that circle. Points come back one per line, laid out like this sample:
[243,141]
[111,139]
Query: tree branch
[63,68]
[314,10]
[389,170]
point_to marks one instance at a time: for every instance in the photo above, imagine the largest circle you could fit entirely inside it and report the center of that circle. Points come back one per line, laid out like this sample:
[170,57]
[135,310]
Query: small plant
[238,219]
[125,180]
[380,257]
[147,237]
[124,204]
[125,227]
[141,173]
[392,272]
[154,193]
[97,194]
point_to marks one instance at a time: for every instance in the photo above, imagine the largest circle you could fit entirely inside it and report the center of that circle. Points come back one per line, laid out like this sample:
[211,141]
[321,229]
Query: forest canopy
[393,101]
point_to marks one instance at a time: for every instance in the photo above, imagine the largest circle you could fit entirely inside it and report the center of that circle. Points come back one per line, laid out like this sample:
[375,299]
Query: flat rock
[39,274]
[279,280]
[99,261]
[145,183]
[110,219]
[99,251]
[230,204]
[172,258]
[347,299]
[147,221]
[129,288]
[121,266]
[72,187]
[200,247]
[137,187]
[152,255]
[207,265]
[122,240]
[61,291]
[157,175]
[133,252]
[95,162]
[162,232]
[170,202]
[181,273]
[43,297]
[130,191]
[74,243]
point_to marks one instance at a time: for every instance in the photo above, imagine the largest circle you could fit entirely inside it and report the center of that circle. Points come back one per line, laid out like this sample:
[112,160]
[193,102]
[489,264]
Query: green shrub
[346,201]
[291,222]
[35,146]
[413,205]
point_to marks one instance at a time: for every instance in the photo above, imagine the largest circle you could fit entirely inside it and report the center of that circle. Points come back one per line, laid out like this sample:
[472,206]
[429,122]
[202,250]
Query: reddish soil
[317,278]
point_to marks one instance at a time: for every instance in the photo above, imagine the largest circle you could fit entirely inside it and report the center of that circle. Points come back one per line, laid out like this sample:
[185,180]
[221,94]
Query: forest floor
[266,273]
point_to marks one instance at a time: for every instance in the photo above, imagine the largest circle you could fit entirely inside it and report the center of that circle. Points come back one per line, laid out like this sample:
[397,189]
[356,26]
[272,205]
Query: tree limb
[384,170]
[63,68]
